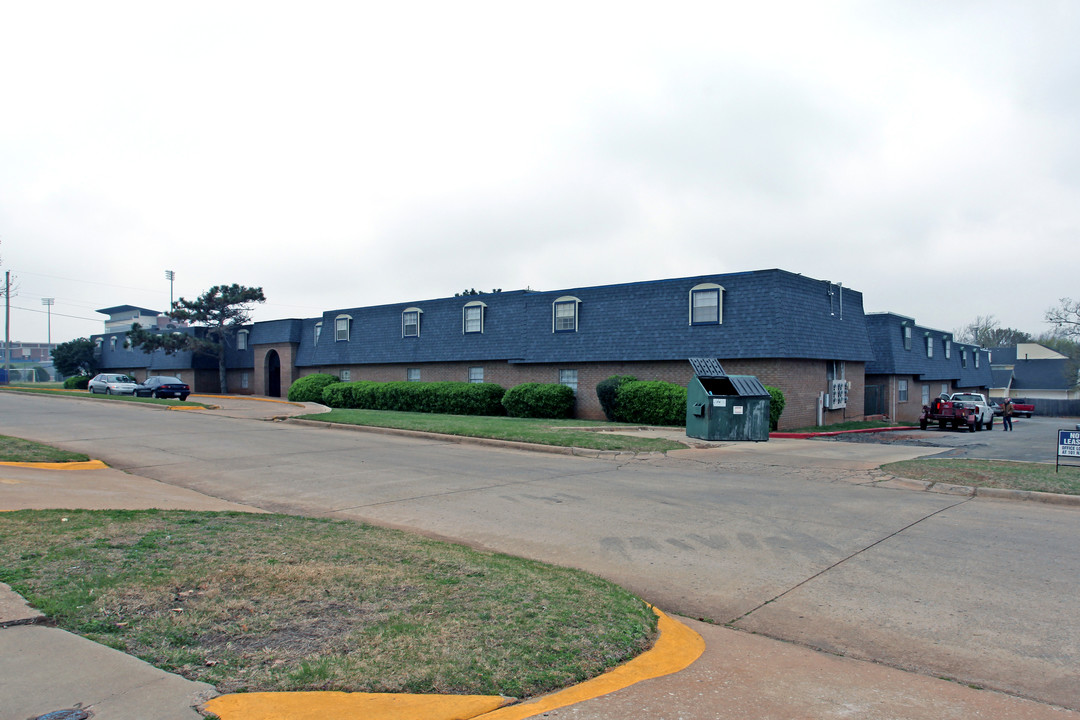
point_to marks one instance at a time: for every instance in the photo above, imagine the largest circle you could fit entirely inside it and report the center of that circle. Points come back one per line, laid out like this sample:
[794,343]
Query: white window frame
[318,331]
[342,322]
[976,353]
[112,343]
[412,374]
[345,375]
[477,325]
[242,339]
[476,374]
[948,348]
[907,337]
[929,345]
[963,357]
[901,391]
[569,378]
[244,380]
[405,326]
[563,321]
[925,394]
[707,290]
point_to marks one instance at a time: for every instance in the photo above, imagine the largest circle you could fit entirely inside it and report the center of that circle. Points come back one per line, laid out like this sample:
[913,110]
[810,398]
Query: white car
[985,416]
[111,384]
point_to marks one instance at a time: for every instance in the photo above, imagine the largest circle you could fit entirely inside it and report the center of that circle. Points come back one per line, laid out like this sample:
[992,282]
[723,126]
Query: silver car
[111,384]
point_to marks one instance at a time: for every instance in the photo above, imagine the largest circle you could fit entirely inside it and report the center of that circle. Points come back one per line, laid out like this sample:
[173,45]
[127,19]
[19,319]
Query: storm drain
[69,714]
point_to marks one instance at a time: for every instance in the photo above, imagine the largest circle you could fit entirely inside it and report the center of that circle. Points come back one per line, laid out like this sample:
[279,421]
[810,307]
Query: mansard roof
[894,355]
[765,314]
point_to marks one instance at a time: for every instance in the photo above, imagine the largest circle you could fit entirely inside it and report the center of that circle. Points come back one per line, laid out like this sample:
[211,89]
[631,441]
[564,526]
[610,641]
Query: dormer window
[976,353]
[706,304]
[318,332]
[948,348]
[242,340]
[112,343]
[929,346]
[564,314]
[963,358]
[410,322]
[472,317]
[342,328]
[907,337]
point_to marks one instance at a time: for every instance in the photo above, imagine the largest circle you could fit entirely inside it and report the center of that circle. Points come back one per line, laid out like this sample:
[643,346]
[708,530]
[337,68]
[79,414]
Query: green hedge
[77,382]
[651,403]
[606,393]
[310,387]
[539,400]
[776,406]
[451,398]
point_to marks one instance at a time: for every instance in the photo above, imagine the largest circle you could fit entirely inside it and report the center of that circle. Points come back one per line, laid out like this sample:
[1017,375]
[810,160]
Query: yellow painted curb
[341,705]
[84,465]
[677,647]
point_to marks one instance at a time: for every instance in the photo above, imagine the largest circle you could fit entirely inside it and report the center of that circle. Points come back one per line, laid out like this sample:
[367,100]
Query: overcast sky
[925,153]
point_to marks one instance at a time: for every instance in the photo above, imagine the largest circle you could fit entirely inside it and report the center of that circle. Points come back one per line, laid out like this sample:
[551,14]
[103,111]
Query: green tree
[75,357]
[222,309]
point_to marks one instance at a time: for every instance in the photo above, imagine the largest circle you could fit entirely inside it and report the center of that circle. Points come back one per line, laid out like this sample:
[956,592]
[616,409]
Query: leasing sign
[1068,444]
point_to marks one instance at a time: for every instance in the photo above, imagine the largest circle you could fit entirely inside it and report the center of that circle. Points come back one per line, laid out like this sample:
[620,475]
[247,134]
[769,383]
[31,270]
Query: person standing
[1006,415]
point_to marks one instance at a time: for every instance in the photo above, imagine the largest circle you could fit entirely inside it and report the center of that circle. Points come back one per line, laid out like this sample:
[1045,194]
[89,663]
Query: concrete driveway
[801,540]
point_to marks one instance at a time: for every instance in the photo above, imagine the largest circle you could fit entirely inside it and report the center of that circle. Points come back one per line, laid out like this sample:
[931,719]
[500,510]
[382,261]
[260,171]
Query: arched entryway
[273,374]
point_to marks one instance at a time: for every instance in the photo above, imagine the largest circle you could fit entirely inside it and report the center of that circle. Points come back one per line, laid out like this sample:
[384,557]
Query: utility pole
[48,303]
[7,326]
[170,276]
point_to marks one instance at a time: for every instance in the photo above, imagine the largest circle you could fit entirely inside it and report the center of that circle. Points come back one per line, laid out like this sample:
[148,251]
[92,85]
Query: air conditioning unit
[837,397]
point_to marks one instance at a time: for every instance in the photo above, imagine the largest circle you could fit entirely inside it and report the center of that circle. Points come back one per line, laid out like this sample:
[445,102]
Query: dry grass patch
[271,602]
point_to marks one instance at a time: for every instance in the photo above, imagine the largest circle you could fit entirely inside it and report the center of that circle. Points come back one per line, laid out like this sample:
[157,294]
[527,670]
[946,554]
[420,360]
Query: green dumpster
[725,407]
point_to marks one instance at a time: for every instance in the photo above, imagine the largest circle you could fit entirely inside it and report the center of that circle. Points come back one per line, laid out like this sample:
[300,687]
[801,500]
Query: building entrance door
[273,374]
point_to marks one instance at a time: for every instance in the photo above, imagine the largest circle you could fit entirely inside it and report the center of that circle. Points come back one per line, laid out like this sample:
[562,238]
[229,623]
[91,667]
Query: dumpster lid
[707,367]
[748,386]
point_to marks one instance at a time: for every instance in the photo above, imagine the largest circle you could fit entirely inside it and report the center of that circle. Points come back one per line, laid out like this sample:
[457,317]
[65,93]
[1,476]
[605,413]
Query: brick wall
[259,381]
[800,380]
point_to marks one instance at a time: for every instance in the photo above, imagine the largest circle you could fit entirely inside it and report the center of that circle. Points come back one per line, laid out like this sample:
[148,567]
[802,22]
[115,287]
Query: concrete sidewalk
[740,675]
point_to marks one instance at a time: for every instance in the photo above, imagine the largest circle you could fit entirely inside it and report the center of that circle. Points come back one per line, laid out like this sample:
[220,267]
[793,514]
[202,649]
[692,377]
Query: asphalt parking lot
[1032,440]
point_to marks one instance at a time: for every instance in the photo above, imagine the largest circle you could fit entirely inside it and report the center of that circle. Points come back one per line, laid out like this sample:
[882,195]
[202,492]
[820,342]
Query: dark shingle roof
[893,358]
[1044,375]
[766,314]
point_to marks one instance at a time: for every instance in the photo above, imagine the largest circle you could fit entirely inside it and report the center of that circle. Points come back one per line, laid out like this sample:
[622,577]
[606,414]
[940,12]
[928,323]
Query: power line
[42,312]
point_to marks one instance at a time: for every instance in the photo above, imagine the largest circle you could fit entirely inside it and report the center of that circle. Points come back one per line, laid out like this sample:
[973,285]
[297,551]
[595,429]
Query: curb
[991,493]
[676,648]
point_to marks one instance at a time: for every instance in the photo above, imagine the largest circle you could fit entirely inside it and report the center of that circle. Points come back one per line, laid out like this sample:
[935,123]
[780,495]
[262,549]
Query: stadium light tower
[170,276]
[48,303]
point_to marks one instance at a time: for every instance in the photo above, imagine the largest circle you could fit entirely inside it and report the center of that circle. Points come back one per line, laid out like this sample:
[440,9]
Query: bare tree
[986,331]
[1065,318]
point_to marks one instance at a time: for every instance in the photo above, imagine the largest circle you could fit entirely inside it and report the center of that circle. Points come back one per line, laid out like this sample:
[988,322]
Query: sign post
[1068,446]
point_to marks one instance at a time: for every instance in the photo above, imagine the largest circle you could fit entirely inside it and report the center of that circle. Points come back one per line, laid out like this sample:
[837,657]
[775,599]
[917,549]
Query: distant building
[1033,372]
[122,317]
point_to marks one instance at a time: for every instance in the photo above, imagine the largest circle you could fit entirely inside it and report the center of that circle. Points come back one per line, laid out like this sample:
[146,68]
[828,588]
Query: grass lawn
[280,603]
[14,449]
[1040,477]
[544,432]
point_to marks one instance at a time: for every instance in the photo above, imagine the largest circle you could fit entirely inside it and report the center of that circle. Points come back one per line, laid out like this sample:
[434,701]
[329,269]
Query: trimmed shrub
[310,387]
[77,382]
[451,398]
[539,400]
[606,393]
[776,406]
[651,403]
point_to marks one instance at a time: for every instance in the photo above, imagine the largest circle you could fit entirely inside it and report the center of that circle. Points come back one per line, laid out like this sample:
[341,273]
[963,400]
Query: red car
[163,386]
